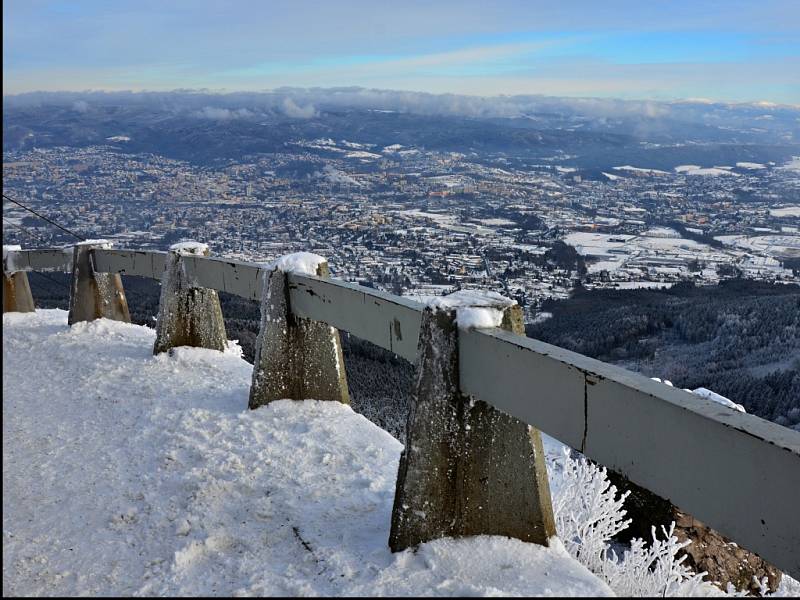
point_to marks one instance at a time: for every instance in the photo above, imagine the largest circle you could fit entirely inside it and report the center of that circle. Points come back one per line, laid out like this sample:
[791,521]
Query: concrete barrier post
[17,295]
[187,315]
[295,358]
[95,295]
[467,468]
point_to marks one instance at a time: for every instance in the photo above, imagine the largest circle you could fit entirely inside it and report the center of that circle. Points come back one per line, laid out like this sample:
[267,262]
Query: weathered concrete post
[17,295]
[95,295]
[467,468]
[187,315]
[295,357]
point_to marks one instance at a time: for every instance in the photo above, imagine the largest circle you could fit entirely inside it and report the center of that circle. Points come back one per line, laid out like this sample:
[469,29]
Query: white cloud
[292,109]
[222,114]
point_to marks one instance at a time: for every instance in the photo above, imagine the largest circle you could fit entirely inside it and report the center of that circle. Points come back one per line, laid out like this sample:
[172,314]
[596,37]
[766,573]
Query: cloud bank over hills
[306,103]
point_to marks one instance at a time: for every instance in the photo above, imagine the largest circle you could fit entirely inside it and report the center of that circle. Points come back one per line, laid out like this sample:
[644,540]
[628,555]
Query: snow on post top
[302,263]
[96,243]
[479,309]
[190,249]
[8,258]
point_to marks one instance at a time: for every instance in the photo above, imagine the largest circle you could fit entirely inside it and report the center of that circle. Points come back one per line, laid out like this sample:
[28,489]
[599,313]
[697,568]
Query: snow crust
[304,263]
[190,248]
[131,474]
[478,309]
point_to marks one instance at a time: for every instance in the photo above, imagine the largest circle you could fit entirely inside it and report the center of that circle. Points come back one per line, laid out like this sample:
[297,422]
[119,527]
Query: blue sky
[722,50]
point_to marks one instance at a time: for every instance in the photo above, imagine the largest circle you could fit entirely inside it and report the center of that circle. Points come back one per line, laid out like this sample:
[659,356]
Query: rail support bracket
[467,468]
[295,358]
[95,295]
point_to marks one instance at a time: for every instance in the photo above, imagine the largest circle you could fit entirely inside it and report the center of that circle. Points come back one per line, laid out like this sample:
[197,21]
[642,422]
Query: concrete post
[187,315]
[467,468]
[95,295]
[17,295]
[295,357]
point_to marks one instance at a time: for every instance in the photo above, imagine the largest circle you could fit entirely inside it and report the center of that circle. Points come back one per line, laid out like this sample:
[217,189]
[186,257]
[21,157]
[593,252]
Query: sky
[726,50]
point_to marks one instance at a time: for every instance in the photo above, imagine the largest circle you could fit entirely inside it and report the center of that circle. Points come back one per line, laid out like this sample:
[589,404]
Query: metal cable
[30,210]
[23,230]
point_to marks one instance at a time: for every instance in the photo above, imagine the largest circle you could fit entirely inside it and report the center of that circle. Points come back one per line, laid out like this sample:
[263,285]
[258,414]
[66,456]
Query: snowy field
[128,474]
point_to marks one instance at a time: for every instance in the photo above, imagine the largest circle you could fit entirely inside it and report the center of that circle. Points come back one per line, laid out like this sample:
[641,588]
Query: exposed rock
[709,551]
[723,560]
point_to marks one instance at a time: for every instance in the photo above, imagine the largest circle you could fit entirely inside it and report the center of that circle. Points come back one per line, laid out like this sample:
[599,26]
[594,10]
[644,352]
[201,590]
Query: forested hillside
[740,338]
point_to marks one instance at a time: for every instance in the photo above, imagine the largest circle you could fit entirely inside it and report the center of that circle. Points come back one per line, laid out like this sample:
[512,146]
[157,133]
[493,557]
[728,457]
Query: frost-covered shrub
[589,513]
[587,510]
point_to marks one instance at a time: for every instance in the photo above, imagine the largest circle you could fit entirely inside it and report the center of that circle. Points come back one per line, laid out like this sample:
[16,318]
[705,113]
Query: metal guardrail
[46,259]
[736,472]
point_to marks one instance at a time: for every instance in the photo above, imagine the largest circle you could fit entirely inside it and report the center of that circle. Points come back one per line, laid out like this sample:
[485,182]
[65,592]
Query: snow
[661,232]
[119,138]
[190,248]
[303,263]
[708,394]
[100,243]
[131,474]
[792,165]
[361,154]
[786,211]
[479,309]
[334,175]
[631,169]
[750,165]
[712,171]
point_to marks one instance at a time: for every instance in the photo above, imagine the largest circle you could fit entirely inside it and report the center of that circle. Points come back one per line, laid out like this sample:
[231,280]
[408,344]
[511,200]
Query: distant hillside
[740,338]
[181,128]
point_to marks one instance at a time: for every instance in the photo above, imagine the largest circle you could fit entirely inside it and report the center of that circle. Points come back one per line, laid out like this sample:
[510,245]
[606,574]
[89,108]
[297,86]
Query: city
[424,223]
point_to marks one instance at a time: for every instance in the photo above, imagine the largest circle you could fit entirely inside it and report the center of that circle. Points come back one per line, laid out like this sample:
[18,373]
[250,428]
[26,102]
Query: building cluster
[423,223]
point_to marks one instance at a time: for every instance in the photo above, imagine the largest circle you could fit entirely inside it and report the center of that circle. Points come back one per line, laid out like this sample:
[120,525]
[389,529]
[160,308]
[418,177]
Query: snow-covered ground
[125,473]
[128,474]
